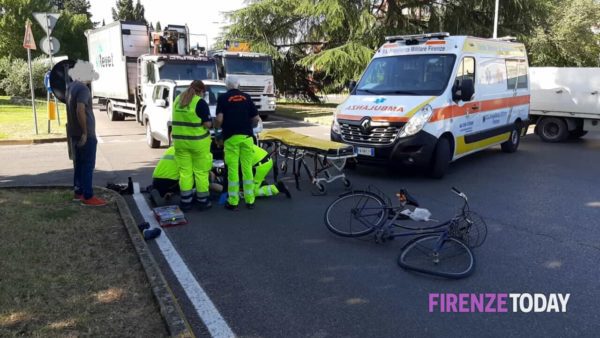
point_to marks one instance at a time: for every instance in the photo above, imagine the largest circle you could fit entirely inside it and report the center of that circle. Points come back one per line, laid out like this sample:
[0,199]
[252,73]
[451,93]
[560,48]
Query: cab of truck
[427,100]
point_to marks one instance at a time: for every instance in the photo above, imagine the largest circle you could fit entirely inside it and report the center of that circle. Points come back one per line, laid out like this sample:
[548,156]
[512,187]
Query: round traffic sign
[50,46]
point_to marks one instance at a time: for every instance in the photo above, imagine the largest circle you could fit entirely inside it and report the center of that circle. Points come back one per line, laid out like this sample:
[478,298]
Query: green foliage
[333,40]
[12,26]
[70,31]
[567,39]
[14,76]
[127,11]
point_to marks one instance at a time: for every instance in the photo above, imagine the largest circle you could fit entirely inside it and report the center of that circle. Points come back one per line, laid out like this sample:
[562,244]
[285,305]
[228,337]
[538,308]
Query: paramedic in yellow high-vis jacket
[191,138]
[237,115]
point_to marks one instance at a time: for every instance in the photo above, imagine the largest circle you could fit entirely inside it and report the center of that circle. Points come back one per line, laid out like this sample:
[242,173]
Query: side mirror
[160,103]
[351,85]
[463,91]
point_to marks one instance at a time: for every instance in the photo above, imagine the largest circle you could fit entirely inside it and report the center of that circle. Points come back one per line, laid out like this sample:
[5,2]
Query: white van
[426,100]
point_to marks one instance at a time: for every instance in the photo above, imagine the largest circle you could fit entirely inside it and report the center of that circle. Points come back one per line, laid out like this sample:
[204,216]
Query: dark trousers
[84,162]
[165,185]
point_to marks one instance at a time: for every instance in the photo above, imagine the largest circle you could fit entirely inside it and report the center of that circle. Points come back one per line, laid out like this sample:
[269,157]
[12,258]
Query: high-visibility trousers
[239,151]
[261,172]
[194,165]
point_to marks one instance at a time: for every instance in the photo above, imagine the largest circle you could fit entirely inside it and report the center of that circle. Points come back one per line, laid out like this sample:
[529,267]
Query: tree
[125,10]
[12,25]
[158,27]
[338,37]
[567,40]
[74,6]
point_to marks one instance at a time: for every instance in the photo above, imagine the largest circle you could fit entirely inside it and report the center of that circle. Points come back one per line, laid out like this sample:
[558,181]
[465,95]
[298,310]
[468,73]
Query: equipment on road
[169,215]
[443,250]
[565,102]
[327,156]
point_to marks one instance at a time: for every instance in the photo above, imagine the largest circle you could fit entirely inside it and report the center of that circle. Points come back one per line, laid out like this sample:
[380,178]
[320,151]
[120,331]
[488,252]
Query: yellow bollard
[51,110]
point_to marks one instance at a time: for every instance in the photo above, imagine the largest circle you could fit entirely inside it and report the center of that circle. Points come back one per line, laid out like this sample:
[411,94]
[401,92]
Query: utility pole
[496,19]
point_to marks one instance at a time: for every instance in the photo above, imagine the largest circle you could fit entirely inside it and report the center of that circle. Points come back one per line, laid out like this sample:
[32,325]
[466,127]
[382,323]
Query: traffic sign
[28,41]
[47,82]
[50,46]
[47,21]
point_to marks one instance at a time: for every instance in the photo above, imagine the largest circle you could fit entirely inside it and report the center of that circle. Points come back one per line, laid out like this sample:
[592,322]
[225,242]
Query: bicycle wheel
[469,229]
[453,259]
[355,214]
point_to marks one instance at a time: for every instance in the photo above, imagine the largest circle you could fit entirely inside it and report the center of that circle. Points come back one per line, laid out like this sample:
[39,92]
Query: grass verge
[16,121]
[69,270]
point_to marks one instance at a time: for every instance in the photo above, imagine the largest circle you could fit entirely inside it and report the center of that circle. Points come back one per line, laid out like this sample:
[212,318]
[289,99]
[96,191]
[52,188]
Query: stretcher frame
[323,162]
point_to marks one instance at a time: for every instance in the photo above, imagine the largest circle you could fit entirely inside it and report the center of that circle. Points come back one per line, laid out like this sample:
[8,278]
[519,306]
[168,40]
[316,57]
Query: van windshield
[407,75]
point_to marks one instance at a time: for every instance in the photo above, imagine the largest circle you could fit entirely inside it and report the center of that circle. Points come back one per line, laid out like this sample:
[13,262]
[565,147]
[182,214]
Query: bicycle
[444,249]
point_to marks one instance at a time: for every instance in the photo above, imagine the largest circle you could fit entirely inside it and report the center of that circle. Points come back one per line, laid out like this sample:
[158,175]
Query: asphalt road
[276,271]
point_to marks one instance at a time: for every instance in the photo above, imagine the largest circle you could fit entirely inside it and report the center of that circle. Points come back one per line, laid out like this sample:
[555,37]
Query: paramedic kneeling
[236,114]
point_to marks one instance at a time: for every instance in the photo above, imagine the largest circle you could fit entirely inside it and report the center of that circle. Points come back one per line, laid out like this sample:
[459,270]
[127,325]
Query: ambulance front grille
[376,135]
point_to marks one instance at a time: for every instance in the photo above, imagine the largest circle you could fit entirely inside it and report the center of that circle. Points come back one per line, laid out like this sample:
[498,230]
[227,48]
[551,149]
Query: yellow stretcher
[295,147]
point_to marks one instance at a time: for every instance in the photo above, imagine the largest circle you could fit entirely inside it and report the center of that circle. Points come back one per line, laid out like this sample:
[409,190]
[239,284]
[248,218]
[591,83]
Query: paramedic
[237,115]
[190,124]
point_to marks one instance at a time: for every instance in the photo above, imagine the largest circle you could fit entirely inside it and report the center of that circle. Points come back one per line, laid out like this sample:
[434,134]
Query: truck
[565,102]
[129,66]
[254,72]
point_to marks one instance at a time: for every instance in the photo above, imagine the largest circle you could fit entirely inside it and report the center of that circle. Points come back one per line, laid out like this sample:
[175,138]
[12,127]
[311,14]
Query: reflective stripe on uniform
[188,137]
[186,124]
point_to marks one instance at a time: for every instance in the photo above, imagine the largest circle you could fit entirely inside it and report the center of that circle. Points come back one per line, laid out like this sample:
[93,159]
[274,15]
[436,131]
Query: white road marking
[202,304]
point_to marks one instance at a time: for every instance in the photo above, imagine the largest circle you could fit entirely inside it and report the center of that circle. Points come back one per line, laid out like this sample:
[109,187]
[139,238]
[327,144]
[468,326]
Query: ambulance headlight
[417,122]
[335,126]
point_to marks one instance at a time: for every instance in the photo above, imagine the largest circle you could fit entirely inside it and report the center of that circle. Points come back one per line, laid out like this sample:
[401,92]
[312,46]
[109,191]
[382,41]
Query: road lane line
[205,308]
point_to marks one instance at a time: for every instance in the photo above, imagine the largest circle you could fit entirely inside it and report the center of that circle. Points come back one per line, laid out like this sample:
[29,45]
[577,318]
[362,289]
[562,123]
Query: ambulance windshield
[407,75]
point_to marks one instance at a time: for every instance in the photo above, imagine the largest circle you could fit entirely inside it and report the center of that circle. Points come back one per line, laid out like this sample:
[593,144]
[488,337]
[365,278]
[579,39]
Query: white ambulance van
[427,100]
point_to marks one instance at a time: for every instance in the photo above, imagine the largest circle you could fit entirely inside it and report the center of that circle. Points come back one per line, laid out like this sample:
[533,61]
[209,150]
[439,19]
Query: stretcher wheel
[320,187]
[347,183]
[284,167]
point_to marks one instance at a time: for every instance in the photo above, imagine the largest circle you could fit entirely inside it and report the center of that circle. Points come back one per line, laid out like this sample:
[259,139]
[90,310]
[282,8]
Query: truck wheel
[577,133]
[512,144]
[113,115]
[552,129]
[150,140]
[441,158]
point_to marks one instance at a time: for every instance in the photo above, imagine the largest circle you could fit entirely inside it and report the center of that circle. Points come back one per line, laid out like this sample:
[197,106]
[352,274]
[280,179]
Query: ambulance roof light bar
[439,35]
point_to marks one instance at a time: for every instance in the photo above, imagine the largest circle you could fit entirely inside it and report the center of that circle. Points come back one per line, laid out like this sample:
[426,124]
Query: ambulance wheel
[552,129]
[441,158]
[512,144]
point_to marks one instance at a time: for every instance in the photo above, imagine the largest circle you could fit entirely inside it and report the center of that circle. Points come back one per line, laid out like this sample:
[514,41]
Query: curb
[170,309]
[31,141]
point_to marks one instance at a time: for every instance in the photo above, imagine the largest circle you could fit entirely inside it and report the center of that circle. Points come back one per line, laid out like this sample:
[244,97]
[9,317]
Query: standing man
[237,115]
[191,139]
[81,127]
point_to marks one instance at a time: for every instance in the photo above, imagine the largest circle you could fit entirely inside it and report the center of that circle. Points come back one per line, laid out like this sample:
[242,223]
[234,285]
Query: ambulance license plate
[365,151]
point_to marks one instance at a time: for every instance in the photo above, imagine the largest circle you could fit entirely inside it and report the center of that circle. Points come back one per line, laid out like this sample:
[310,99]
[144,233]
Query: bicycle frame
[386,230]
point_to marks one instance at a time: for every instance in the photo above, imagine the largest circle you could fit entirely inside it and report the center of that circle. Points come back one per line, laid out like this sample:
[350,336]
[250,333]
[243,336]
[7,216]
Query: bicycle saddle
[404,196]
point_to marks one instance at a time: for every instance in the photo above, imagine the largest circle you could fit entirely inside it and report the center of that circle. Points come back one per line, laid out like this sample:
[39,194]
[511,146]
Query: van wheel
[150,140]
[552,129]
[441,158]
[512,144]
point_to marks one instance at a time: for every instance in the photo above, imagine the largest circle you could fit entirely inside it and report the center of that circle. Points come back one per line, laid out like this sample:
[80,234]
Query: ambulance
[427,100]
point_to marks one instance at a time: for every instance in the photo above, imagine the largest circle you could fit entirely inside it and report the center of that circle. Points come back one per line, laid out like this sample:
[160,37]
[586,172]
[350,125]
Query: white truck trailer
[129,66]
[254,72]
[565,102]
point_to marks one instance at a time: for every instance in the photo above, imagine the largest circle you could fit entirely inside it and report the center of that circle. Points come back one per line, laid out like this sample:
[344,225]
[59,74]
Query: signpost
[50,46]
[29,44]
